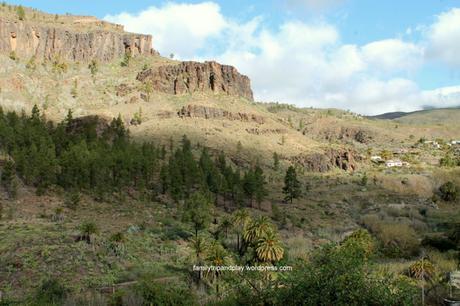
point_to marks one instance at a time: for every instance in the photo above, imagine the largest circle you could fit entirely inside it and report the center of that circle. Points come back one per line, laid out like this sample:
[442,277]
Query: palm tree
[269,248]
[240,220]
[225,226]
[87,229]
[257,229]
[216,256]
[200,246]
[422,270]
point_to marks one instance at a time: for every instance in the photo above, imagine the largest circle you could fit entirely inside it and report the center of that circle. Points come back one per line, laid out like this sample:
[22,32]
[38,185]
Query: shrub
[449,192]
[341,276]
[440,243]
[126,59]
[31,64]
[93,67]
[72,200]
[51,292]
[371,222]
[398,240]
[155,293]
[20,12]
[13,56]
[361,239]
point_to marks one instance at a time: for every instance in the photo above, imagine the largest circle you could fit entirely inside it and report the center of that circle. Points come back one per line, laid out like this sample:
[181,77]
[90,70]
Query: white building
[435,144]
[393,163]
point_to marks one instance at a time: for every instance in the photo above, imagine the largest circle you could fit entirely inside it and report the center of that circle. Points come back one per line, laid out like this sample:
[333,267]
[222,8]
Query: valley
[122,168]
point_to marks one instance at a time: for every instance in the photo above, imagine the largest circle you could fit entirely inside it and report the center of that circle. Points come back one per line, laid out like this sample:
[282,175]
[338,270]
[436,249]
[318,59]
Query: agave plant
[87,229]
[117,243]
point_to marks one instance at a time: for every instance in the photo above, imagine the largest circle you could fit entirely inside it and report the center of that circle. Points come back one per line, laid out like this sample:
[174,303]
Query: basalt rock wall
[50,41]
[190,77]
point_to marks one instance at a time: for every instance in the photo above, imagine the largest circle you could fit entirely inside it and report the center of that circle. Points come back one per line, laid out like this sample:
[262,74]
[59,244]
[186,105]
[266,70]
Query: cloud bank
[305,63]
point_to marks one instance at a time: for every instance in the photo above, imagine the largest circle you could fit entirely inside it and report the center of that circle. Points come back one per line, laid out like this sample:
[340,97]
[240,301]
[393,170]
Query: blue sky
[367,56]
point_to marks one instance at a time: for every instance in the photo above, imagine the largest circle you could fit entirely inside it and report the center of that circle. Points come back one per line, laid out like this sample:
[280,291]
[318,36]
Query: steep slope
[159,98]
[68,38]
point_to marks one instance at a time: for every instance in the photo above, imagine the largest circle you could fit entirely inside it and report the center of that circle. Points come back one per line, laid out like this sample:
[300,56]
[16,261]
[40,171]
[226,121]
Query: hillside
[431,116]
[120,170]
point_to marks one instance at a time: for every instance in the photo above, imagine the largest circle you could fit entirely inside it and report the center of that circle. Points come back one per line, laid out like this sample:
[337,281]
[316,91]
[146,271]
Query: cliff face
[48,41]
[343,159]
[198,111]
[189,77]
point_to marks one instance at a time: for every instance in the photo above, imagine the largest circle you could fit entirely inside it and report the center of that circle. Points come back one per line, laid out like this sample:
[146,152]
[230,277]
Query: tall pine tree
[291,187]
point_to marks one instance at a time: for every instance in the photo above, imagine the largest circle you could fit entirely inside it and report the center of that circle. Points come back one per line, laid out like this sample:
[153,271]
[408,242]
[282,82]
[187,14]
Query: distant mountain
[426,112]
[389,116]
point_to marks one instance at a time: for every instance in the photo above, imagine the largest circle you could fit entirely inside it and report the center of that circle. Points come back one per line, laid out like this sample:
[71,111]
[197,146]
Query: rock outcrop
[342,133]
[198,111]
[190,77]
[47,41]
[343,159]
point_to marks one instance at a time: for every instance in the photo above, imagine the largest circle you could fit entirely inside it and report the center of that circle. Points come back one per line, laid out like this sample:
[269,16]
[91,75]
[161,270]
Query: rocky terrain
[68,38]
[190,77]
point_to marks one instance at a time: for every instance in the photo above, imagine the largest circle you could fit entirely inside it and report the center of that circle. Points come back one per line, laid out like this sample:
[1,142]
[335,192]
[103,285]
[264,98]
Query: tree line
[84,158]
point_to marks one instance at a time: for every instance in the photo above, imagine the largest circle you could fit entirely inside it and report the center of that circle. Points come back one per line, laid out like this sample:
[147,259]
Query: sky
[365,56]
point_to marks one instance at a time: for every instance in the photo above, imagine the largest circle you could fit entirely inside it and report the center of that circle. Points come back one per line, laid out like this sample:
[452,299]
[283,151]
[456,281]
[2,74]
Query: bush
[51,292]
[126,59]
[72,200]
[398,240]
[371,222]
[361,239]
[21,12]
[13,56]
[341,276]
[449,192]
[440,243]
[155,293]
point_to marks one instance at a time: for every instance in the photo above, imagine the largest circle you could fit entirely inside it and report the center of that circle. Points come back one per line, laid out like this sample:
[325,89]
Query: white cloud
[315,4]
[393,55]
[444,37]
[302,63]
[177,28]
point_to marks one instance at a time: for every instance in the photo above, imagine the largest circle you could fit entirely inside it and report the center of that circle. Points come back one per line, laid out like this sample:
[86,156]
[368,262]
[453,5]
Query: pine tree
[249,185]
[164,179]
[35,118]
[197,210]
[8,179]
[21,13]
[276,161]
[260,182]
[292,186]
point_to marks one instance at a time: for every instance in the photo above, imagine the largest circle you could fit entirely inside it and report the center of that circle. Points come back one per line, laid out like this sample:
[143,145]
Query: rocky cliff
[189,77]
[344,159]
[83,40]
[198,111]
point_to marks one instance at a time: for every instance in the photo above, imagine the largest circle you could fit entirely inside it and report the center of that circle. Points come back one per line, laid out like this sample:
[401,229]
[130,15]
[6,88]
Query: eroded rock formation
[50,41]
[343,159]
[198,111]
[190,77]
